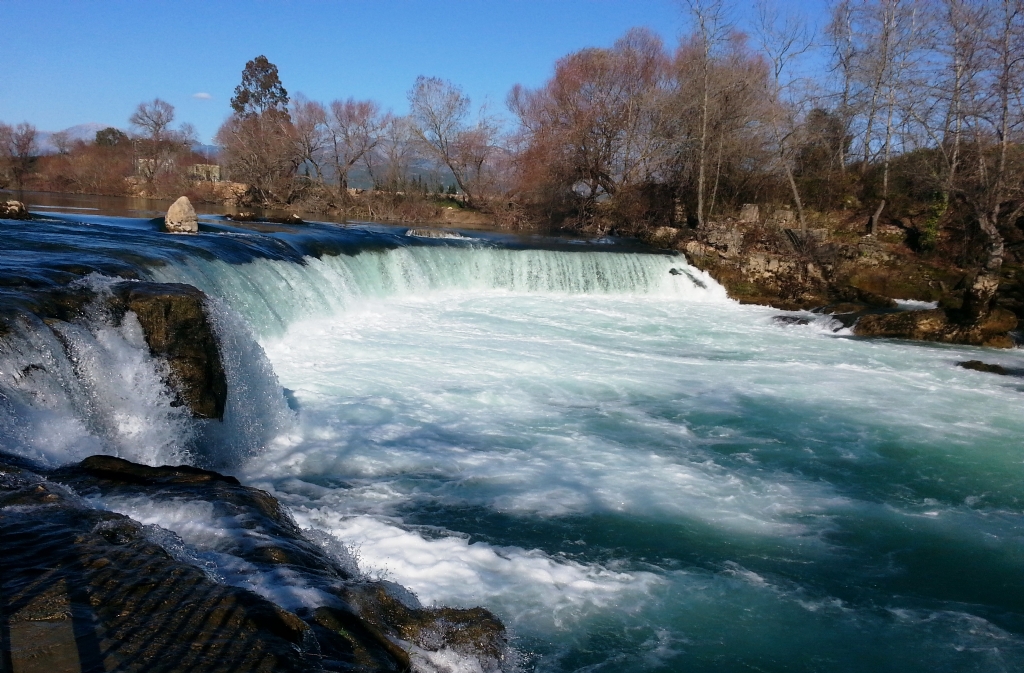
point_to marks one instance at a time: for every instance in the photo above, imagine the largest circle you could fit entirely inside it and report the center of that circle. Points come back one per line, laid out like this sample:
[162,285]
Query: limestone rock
[13,210]
[181,217]
[750,213]
[937,325]
[662,237]
[176,327]
[784,216]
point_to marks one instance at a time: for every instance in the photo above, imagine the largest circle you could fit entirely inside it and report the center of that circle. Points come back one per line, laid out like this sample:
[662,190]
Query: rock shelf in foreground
[83,589]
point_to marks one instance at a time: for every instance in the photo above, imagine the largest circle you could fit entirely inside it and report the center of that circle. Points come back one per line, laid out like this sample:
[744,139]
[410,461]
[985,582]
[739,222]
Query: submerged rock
[248,216]
[181,217]
[13,210]
[979,366]
[176,327]
[791,320]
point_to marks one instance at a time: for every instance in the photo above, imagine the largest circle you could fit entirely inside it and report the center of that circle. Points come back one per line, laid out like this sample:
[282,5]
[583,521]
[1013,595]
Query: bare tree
[309,119]
[995,186]
[354,130]
[18,150]
[840,33]
[783,39]
[62,142]
[153,119]
[157,144]
[710,30]
[593,129]
[440,113]
[389,162]
[891,40]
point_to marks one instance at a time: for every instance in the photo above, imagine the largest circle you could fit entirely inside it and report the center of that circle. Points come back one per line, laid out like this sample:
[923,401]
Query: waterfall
[273,293]
[69,390]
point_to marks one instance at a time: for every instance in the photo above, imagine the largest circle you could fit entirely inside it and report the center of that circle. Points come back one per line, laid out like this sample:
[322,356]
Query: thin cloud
[202,95]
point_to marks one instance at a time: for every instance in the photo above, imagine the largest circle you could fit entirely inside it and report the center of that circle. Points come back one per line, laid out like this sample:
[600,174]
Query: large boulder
[181,217]
[176,327]
[13,210]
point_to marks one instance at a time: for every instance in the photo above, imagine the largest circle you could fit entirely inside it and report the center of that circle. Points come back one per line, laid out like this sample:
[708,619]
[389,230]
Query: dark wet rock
[789,320]
[940,326]
[844,308]
[360,626]
[176,327]
[174,322]
[248,216]
[13,210]
[181,217]
[979,366]
[83,589]
[118,470]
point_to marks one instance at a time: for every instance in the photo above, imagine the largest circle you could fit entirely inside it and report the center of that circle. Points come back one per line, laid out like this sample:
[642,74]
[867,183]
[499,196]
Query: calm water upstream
[633,471]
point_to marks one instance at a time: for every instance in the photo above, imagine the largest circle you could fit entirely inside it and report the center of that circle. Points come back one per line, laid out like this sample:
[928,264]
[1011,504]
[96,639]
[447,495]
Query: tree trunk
[873,220]
[978,298]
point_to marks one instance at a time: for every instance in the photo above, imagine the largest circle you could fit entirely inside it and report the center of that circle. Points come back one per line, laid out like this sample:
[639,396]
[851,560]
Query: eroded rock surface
[82,586]
[938,325]
[84,590]
[176,327]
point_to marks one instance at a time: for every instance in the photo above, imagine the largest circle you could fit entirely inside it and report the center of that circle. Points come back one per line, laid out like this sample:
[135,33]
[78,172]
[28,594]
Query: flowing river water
[634,472]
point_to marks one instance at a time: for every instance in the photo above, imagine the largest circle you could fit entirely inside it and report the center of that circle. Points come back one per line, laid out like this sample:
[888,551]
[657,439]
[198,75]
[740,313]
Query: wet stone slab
[84,590]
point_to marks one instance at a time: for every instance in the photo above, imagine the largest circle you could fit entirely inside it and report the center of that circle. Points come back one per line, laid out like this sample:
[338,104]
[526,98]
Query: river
[589,438]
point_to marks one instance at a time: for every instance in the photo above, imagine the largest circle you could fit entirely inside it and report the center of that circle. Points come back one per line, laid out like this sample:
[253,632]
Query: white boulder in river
[181,217]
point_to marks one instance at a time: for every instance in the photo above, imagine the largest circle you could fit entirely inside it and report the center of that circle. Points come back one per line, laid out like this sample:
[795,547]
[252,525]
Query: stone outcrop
[82,589]
[85,589]
[181,217]
[13,210]
[940,326]
[840,271]
[750,212]
[176,327]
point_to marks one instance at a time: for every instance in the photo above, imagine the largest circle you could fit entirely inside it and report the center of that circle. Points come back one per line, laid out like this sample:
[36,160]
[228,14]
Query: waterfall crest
[273,293]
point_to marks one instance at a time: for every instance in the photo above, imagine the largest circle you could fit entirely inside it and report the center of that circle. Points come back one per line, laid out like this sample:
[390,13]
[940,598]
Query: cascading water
[273,294]
[632,471]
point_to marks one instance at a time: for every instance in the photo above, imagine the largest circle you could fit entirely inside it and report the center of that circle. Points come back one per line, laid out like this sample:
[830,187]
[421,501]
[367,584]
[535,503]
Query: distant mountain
[85,132]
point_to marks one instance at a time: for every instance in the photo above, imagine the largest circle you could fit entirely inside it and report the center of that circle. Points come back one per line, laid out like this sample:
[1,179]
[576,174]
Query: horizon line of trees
[918,113]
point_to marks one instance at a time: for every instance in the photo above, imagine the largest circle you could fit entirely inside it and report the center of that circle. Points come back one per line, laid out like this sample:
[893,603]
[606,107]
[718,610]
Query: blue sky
[67,63]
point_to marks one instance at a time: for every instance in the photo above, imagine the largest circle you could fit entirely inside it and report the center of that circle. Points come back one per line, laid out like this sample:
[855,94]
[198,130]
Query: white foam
[527,586]
[915,305]
[106,394]
[211,539]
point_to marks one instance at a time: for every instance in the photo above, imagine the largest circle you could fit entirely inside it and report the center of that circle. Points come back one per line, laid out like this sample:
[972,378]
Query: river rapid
[634,472]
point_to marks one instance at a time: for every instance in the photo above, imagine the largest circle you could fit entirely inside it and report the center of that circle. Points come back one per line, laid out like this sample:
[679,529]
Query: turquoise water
[646,476]
[634,472]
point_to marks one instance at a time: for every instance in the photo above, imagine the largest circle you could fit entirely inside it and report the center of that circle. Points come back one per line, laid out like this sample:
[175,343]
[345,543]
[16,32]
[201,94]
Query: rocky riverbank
[839,271]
